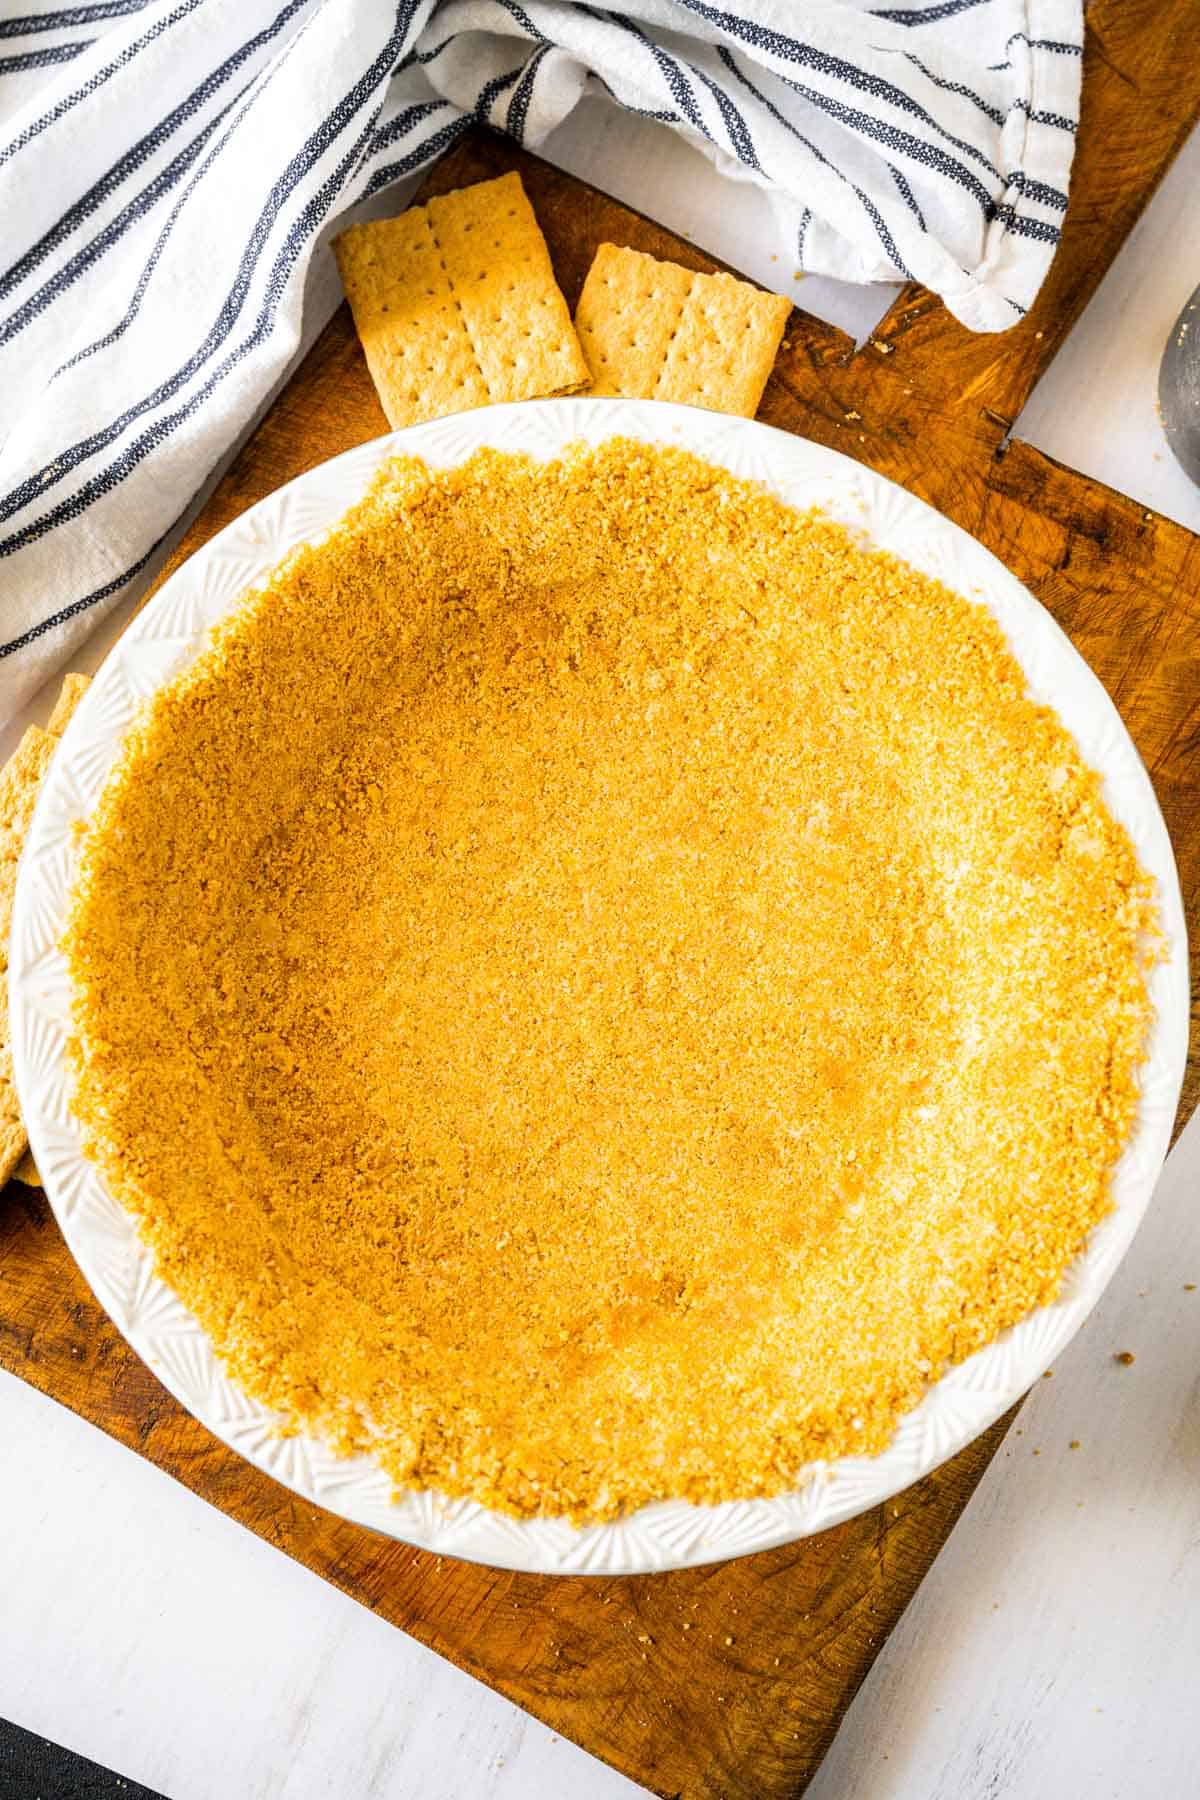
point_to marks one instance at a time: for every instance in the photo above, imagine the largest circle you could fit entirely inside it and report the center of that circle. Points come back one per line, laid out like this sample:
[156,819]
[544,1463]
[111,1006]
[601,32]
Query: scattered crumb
[1125,1356]
[1075,1444]
[1189,1287]
[797,274]
[1047,1374]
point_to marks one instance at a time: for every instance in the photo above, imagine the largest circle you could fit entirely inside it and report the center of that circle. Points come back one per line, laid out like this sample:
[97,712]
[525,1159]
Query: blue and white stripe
[169,167]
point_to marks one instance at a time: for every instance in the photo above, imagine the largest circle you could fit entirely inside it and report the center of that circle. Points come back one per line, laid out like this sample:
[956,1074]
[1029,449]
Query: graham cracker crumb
[640,987]
[1125,1357]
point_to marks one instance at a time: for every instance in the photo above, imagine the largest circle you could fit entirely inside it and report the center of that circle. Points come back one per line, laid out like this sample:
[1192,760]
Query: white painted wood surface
[1053,1649]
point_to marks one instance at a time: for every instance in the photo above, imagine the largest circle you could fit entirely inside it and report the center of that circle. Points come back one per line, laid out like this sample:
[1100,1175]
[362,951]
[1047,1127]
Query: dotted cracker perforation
[653,330]
[456,305]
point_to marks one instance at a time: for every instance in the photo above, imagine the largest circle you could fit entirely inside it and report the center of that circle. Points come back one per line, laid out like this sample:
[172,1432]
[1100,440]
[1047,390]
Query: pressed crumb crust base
[596,987]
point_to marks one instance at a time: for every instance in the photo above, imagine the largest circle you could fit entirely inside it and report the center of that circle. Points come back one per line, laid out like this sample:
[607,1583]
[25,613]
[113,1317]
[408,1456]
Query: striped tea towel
[168,167]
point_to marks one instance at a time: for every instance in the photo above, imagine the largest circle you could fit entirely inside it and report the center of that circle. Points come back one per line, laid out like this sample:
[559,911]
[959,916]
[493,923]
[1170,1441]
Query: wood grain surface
[744,1701]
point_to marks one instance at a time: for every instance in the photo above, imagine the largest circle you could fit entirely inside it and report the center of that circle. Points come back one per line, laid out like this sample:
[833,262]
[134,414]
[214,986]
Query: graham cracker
[456,305]
[27,1171]
[652,330]
[70,694]
[542,1262]
[20,782]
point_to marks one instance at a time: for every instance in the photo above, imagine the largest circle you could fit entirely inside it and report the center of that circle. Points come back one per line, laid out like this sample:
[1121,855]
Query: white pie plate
[174,628]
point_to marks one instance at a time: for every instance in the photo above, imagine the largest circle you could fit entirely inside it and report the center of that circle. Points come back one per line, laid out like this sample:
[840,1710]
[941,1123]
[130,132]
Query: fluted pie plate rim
[172,630]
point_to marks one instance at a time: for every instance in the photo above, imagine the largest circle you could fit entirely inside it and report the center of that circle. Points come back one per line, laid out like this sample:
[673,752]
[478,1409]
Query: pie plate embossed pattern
[174,628]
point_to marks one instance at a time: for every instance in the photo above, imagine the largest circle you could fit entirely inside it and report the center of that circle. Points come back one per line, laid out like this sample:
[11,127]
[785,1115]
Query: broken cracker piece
[19,784]
[456,304]
[653,330]
[20,781]
[70,694]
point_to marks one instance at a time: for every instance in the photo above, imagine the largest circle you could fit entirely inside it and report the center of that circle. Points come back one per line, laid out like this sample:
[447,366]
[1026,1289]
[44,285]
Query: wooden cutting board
[743,1703]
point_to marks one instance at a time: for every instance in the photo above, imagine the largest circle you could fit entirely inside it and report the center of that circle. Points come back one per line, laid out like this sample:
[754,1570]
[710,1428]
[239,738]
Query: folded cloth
[167,169]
